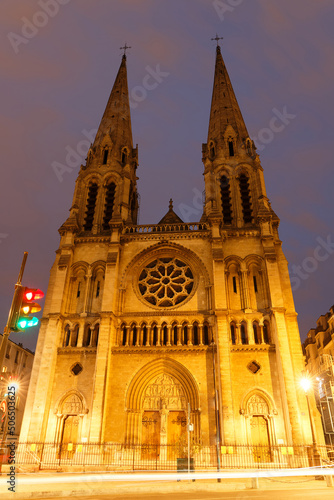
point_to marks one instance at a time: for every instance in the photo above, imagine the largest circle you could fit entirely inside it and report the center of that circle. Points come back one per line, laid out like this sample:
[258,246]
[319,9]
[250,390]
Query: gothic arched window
[108,205]
[124,335]
[245,198]
[225,191]
[90,207]
[233,337]
[175,334]
[185,335]
[155,335]
[144,335]
[256,331]
[164,332]
[231,147]
[195,334]
[67,336]
[105,156]
[134,335]
[124,155]
[234,282]
[87,336]
[243,332]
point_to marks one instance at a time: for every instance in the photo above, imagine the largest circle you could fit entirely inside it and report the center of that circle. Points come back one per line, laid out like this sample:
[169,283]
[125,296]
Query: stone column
[260,333]
[127,341]
[190,335]
[169,334]
[88,281]
[159,328]
[141,338]
[250,332]
[102,370]
[138,335]
[245,289]
[148,336]
[70,337]
[287,378]
[200,334]
[237,333]
[179,327]
[224,370]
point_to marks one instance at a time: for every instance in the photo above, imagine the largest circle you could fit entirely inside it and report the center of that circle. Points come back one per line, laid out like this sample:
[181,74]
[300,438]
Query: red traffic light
[24,305]
[31,294]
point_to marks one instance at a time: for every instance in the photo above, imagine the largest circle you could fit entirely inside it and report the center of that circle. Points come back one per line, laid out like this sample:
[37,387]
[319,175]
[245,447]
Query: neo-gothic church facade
[142,320]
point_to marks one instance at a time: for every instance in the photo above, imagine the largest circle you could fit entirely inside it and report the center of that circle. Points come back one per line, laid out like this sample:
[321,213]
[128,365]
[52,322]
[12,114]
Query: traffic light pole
[6,331]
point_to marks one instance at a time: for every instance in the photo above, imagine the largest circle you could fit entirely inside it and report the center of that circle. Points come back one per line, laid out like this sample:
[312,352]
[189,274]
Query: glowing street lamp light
[306,384]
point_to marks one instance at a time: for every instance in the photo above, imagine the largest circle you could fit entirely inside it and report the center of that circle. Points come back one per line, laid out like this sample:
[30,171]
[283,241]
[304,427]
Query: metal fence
[115,456]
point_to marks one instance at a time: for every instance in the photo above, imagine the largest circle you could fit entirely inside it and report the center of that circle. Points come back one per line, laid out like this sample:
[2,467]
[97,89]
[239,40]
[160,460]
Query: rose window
[166,282]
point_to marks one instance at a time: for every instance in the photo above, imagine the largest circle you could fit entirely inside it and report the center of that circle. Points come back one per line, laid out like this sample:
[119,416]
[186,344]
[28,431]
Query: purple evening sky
[56,79]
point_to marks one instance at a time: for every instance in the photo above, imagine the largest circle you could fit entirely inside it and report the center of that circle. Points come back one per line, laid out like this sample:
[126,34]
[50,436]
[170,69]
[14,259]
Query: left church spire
[106,186]
[116,120]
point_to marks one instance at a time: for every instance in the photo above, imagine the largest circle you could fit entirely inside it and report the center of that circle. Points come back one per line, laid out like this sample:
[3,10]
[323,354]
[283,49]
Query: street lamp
[306,384]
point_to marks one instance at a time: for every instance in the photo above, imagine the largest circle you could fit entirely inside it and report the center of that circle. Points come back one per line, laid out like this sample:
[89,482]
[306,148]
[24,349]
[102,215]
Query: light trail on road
[146,477]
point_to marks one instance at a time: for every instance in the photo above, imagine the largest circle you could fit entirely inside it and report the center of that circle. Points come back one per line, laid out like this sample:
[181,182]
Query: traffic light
[24,305]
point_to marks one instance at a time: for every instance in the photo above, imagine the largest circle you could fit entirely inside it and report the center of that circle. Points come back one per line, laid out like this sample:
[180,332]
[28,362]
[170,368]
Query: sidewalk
[63,484]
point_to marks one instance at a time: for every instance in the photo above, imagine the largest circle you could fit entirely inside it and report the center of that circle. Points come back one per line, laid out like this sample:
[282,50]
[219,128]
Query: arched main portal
[157,402]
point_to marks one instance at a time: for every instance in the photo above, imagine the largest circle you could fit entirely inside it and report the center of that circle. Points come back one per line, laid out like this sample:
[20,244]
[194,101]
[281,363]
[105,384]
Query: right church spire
[235,191]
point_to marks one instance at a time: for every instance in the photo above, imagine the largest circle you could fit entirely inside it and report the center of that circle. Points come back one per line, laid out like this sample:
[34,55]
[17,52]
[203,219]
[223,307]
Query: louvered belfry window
[90,208]
[108,206]
[245,198]
[226,199]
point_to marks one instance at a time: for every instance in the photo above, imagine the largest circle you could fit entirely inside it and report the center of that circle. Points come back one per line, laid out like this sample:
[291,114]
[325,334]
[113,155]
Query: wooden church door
[70,435]
[177,434]
[260,438]
[150,435]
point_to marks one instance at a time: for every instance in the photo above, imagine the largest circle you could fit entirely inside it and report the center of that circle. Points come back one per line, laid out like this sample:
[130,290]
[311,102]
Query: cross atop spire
[125,48]
[217,38]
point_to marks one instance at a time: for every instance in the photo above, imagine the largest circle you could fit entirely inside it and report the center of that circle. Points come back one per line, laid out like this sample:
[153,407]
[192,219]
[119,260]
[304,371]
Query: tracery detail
[164,391]
[72,405]
[166,282]
[257,405]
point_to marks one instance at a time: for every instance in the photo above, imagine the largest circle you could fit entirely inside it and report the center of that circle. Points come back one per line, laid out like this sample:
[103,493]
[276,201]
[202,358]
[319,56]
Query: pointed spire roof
[225,109]
[170,217]
[116,120]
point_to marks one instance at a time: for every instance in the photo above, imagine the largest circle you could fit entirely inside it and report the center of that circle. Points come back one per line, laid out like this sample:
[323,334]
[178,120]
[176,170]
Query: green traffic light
[24,323]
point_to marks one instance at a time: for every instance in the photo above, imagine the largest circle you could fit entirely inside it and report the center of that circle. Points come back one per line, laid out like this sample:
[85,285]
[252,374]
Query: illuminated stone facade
[319,352]
[141,320]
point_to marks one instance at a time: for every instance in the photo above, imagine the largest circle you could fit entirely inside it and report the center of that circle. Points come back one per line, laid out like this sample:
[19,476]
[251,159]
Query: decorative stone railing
[163,228]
